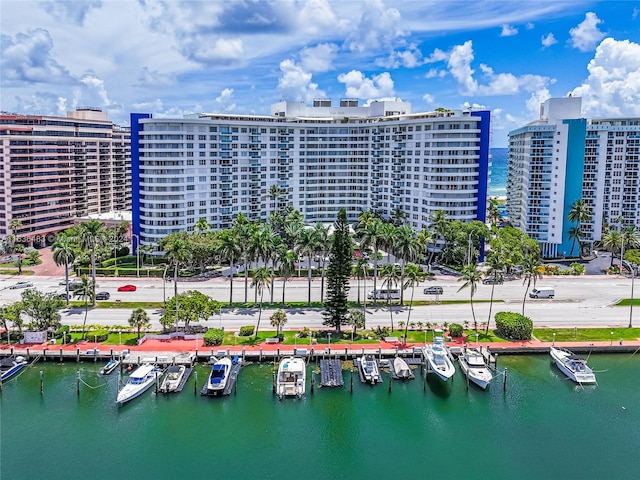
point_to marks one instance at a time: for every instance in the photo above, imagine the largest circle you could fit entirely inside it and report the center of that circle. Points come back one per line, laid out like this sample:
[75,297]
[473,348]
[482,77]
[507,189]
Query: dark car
[64,296]
[102,296]
[493,280]
[433,291]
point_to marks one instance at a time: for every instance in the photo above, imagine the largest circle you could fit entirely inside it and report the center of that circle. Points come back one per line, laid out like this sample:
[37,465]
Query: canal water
[542,426]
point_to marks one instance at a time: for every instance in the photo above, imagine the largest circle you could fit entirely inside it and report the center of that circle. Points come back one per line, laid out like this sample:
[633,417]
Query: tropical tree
[86,291]
[531,272]
[359,271]
[575,234]
[139,320]
[276,193]
[439,225]
[495,262]
[612,242]
[471,276]
[323,244]
[92,236]
[493,212]
[391,276]
[187,307]
[278,320]
[261,281]
[398,217]
[336,302]
[633,258]
[177,252]
[579,213]
[356,319]
[64,254]
[243,230]
[370,236]
[228,250]
[414,275]
[201,226]
[307,247]
[11,313]
[387,238]
[407,248]
[41,308]
[287,261]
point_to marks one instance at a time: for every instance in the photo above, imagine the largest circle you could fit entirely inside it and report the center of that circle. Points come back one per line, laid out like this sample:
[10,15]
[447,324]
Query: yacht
[573,366]
[139,381]
[370,369]
[437,357]
[401,367]
[292,376]
[219,376]
[10,366]
[173,378]
[473,365]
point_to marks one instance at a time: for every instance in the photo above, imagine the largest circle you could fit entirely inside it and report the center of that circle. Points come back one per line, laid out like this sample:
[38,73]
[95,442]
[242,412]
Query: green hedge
[122,272]
[455,330]
[214,337]
[513,326]
[246,331]
[62,330]
[97,335]
[126,260]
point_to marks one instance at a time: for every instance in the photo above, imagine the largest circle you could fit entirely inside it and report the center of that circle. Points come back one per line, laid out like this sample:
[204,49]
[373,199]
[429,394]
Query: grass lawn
[625,302]
[586,334]
[99,304]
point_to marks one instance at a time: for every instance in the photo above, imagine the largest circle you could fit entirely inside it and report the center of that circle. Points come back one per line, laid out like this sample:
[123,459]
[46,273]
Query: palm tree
[439,225]
[201,226]
[471,276]
[264,244]
[371,237]
[64,254]
[407,248]
[14,226]
[630,239]
[398,217]
[276,193]
[139,320]
[413,276]
[229,250]
[579,213]
[360,271]
[323,240]
[92,237]
[242,231]
[531,272]
[176,251]
[387,238]
[575,234]
[496,265]
[86,291]
[493,213]
[307,246]
[357,320]
[391,275]
[278,320]
[261,280]
[287,259]
[612,241]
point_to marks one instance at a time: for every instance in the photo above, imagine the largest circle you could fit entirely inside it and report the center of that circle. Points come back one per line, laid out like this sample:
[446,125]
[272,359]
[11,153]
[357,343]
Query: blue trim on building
[574,172]
[135,174]
[483,169]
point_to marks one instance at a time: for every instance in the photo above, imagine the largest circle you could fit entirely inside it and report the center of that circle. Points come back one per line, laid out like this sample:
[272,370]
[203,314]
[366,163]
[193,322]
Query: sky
[174,57]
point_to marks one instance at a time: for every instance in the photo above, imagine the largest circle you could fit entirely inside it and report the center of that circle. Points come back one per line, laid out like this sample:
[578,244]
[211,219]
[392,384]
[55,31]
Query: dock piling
[351,381]
[504,380]
[44,354]
[78,382]
[28,354]
[195,382]
[390,380]
[60,354]
[77,354]
[41,382]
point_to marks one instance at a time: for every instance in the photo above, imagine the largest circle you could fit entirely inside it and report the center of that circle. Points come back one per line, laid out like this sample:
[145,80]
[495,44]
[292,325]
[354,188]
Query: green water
[543,426]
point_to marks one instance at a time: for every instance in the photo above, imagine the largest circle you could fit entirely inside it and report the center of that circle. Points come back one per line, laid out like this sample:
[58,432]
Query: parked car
[493,280]
[22,284]
[127,288]
[64,296]
[102,296]
[433,291]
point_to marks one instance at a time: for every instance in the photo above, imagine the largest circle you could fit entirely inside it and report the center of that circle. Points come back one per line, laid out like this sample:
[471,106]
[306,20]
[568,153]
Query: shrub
[62,330]
[381,332]
[213,337]
[97,336]
[455,330]
[304,333]
[513,325]
[246,331]
[577,268]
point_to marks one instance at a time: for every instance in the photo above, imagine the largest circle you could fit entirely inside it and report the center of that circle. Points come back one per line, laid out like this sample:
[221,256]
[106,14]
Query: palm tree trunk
[322,281]
[525,296]
[406,327]
[246,283]
[490,307]
[358,288]
[390,312]
[259,315]
[93,272]
[284,284]
[175,280]
[273,276]
[84,323]
[473,314]
[66,279]
[309,278]
[231,269]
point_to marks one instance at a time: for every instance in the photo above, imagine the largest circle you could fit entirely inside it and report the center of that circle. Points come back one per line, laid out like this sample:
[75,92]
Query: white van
[384,294]
[542,292]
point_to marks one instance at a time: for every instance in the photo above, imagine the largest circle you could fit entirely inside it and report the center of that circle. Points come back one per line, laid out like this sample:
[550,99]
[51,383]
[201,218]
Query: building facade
[379,157]
[54,170]
[562,158]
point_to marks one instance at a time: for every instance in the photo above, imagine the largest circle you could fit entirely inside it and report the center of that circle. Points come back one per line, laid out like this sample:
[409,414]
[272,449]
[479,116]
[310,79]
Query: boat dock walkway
[231,382]
[331,373]
[356,363]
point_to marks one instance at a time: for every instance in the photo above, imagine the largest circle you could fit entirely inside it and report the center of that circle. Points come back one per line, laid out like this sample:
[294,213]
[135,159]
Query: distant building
[377,157]
[56,169]
[563,157]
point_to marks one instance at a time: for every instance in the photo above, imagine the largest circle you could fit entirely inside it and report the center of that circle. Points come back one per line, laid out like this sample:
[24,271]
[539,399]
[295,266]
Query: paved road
[579,301]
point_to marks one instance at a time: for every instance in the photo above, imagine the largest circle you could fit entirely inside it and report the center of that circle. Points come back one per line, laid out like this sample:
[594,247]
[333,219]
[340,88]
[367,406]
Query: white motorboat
[172,379]
[10,366]
[110,366]
[474,366]
[573,366]
[139,381]
[401,367]
[438,358]
[292,377]
[369,368]
[219,375]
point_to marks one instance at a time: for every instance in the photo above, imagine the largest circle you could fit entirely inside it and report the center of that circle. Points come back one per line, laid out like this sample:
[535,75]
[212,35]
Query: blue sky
[171,57]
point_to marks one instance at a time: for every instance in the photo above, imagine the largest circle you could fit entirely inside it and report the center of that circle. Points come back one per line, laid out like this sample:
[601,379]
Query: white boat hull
[291,378]
[477,373]
[439,363]
[578,371]
[370,369]
[131,391]
[221,383]
[172,380]
[18,364]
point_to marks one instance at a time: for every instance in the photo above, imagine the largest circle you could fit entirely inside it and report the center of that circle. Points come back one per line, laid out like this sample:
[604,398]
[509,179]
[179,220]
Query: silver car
[23,284]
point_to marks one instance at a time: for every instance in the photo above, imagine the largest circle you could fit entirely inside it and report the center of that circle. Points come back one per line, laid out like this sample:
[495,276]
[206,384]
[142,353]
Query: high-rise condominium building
[54,170]
[378,157]
[563,157]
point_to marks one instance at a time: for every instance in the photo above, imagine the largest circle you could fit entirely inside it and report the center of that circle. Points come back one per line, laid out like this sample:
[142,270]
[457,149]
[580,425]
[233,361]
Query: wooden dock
[331,373]
[231,382]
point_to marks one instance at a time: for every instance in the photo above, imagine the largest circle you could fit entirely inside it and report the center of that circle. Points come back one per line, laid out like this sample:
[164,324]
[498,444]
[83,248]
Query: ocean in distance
[542,427]
[498,176]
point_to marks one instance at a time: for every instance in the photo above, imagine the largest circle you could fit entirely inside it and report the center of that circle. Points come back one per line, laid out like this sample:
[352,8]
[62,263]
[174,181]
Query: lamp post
[611,344]
[164,286]
[329,335]
[137,245]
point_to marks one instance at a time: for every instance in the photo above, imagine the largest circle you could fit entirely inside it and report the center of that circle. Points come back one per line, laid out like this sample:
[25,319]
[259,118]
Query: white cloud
[459,64]
[548,40]
[221,49]
[225,100]
[41,103]
[319,58]
[613,85]
[428,98]
[148,78]
[530,26]
[411,57]
[377,26]
[508,31]
[435,73]
[317,16]
[359,86]
[295,83]
[75,12]
[586,35]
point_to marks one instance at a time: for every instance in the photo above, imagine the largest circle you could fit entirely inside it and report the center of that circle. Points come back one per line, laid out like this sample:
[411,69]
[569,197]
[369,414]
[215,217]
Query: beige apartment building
[54,170]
